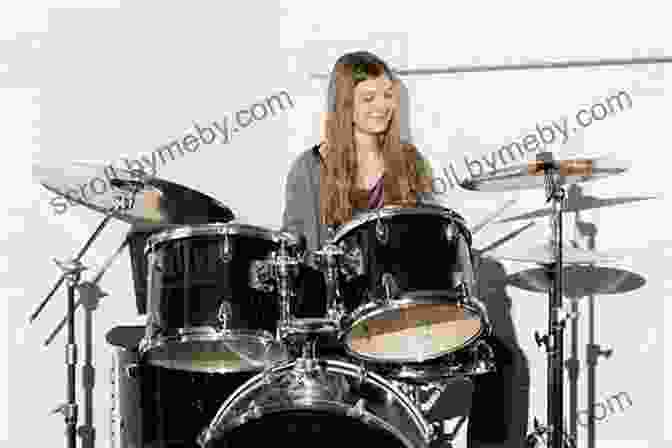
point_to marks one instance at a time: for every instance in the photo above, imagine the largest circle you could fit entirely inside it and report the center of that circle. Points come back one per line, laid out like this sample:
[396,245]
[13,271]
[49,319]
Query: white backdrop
[119,80]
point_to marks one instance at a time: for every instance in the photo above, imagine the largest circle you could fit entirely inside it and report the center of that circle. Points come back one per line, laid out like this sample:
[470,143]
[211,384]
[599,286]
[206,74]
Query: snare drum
[306,405]
[208,309]
[407,281]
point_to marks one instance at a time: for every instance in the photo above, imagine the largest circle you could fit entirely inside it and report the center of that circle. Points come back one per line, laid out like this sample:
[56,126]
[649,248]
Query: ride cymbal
[531,175]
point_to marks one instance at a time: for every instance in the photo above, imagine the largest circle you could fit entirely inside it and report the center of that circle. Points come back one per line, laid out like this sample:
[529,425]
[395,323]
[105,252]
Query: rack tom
[208,310]
[407,276]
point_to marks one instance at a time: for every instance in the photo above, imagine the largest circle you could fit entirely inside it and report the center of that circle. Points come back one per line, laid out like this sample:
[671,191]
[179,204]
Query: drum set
[250,337]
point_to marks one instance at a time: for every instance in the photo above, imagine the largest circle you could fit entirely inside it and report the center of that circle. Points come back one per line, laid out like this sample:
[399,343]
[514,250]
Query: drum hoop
[218,229]
[394,210]
[421,374]
[201,335]
[218,425]
[335,407]
[369,310]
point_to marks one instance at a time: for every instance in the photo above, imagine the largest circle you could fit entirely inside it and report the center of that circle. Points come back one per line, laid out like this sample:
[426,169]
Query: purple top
[376,194]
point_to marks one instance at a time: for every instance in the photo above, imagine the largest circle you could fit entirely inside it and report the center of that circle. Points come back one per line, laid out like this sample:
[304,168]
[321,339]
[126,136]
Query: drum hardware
[391,286]
[284,268]
[72,270]
[352,265]
[450,231]
[261,276]
[552,175]
[225,314]
[330,260]
[541,435]
[382,231]
[224,249]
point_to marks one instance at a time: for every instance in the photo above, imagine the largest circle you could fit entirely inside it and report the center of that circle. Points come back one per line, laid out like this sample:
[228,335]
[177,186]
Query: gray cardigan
[302,209]
[302,199]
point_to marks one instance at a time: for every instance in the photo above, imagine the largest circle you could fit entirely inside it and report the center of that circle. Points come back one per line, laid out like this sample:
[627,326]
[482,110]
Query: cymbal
[545,254]
[158,204]
[530,175]
[580,281]
[583,203]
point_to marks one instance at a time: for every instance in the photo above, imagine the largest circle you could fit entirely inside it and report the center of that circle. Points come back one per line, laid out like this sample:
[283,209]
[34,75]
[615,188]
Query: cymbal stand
[72,270]
[593,351]
[573,369]
[554,340]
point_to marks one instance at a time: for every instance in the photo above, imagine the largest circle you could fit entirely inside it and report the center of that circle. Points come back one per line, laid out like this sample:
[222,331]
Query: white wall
[120,80]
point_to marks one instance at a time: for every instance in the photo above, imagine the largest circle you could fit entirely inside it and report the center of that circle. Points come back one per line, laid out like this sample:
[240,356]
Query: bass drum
[157,407]
[307,403]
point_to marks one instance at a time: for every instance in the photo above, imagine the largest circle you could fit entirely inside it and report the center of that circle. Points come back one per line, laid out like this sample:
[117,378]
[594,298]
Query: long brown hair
[338,178]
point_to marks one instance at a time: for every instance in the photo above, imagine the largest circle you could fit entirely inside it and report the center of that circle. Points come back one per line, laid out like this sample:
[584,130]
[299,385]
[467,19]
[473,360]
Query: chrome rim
[223,422]
[391,211]
[215,230]
[369,311]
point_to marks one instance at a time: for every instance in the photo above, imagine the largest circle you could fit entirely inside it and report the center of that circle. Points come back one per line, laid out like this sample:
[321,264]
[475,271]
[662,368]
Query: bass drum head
[413,330]
[309,428]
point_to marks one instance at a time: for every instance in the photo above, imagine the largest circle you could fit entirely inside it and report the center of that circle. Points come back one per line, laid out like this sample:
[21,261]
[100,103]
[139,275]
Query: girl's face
[374,105]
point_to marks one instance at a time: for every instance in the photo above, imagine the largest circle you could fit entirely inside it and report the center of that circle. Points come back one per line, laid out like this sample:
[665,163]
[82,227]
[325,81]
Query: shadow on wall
[500,405]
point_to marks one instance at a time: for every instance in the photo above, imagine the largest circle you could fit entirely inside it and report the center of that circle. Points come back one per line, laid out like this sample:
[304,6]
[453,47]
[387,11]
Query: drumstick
[493,216]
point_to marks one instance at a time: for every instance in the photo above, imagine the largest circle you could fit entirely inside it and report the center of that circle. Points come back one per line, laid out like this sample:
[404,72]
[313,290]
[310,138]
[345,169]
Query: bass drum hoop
[219,425]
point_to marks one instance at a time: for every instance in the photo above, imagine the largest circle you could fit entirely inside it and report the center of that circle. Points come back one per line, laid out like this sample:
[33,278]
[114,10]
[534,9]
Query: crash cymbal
[545,254]
[583,203]
[158,203]
[580,281]
[531,175]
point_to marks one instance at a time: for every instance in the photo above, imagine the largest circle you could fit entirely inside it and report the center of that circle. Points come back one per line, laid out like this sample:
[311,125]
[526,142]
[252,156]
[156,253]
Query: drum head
[308,428]
[235,352]
[414,331]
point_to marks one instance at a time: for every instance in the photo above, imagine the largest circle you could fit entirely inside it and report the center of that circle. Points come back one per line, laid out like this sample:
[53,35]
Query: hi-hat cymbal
[531,175]
[158,203]
[545,254]
[580,281]
[583,203]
